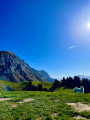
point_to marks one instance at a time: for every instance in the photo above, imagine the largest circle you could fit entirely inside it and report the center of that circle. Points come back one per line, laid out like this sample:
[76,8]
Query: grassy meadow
[45,105]
[11,86]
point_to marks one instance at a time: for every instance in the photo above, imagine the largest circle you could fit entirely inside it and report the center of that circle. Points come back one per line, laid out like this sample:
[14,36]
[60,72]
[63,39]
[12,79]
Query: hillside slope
[12,86]
[43,73]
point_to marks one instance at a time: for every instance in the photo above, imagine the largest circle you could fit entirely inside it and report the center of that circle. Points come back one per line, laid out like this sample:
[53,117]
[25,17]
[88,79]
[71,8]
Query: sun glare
[88,25]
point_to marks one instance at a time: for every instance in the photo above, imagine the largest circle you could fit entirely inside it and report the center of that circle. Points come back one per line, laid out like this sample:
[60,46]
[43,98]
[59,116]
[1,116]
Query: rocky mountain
[13,69]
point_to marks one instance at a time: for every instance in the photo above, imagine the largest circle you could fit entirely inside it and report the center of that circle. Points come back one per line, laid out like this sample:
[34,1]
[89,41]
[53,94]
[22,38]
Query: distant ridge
[13,69]
[43,73]
[84,76]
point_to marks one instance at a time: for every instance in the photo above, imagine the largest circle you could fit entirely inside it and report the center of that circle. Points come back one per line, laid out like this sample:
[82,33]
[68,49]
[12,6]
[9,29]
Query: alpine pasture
[41,105]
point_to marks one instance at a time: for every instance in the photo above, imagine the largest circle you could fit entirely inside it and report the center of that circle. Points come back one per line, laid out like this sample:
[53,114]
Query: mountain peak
[6,53]
[13,69]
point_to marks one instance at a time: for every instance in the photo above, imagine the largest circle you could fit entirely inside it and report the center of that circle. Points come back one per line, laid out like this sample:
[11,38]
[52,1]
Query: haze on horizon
[53,35]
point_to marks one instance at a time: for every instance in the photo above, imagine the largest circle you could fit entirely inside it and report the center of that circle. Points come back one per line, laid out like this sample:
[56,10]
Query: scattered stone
[38,119]
[56,100]
[14,106]
[54,115]
[79,107]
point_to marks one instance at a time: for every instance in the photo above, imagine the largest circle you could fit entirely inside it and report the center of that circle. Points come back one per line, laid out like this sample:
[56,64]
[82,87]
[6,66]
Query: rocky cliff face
[13,69]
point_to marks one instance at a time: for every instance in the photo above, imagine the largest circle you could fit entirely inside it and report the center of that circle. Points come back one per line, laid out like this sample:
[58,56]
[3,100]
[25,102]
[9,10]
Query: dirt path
[79,117]
[3,99]
[79,107]
[26,100]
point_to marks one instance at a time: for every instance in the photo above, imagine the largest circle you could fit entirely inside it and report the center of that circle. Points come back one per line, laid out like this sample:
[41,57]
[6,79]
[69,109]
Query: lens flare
[88,25]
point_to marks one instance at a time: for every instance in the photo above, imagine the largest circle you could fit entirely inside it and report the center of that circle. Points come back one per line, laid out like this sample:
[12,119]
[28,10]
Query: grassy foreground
[45,106]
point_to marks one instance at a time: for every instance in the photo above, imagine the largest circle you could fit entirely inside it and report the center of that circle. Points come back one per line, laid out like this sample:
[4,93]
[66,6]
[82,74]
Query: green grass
[21,85]
[4,84]
[45,104]
[44,84]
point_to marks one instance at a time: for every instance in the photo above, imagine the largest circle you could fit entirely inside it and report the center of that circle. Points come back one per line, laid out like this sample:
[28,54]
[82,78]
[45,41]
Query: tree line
[31,87]
[71,83]
[68,82]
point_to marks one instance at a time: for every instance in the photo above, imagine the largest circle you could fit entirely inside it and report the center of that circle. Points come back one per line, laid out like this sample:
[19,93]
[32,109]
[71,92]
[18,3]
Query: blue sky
[48,34]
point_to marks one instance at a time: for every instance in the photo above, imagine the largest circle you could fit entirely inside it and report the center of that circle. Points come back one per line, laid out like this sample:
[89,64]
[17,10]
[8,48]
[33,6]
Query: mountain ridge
[43,73]
[84,76]
[13,69]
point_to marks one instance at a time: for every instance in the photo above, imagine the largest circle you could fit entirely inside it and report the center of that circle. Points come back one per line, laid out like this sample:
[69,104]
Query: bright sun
[88,25]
